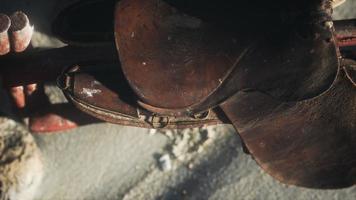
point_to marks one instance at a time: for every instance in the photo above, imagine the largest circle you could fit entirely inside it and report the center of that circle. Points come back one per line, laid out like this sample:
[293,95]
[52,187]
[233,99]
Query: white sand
[114,162]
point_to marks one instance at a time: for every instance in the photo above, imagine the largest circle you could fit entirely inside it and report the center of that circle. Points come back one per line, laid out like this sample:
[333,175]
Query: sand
[106,161]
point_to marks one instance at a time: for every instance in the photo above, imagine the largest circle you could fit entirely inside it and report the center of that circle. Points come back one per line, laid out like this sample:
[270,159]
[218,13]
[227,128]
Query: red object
[58,117]
[50,123]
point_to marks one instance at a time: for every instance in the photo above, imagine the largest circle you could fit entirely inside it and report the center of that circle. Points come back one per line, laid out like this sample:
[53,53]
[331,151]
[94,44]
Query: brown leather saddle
[275,74]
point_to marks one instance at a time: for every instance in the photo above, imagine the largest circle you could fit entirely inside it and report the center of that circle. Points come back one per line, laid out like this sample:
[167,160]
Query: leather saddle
[275,74]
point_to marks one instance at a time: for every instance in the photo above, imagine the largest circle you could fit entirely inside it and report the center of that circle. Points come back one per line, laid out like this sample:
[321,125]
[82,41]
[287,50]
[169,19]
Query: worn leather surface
[309,143]
[98,91]
[170,59]
[181,63]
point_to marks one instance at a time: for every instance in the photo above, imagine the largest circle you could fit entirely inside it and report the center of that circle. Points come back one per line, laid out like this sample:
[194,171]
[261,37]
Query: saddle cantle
[282,84]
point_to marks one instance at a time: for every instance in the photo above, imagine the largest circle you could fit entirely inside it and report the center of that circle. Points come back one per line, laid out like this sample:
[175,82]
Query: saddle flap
[310,143]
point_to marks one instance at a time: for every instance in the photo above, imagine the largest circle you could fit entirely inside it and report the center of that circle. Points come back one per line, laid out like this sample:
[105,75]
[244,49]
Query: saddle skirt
[282,85]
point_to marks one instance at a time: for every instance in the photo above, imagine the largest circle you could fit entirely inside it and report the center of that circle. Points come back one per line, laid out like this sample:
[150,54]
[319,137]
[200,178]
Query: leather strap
[98,91]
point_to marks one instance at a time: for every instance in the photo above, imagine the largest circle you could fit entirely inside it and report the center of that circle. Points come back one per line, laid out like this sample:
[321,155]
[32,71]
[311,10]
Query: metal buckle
[159,122]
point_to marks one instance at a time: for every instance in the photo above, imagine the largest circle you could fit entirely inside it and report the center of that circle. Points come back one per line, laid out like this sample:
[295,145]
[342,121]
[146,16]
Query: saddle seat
[171,60]
[181,62]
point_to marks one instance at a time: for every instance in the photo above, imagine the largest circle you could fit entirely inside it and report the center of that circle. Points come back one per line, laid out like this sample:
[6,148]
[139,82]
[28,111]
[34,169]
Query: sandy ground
[106,161]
